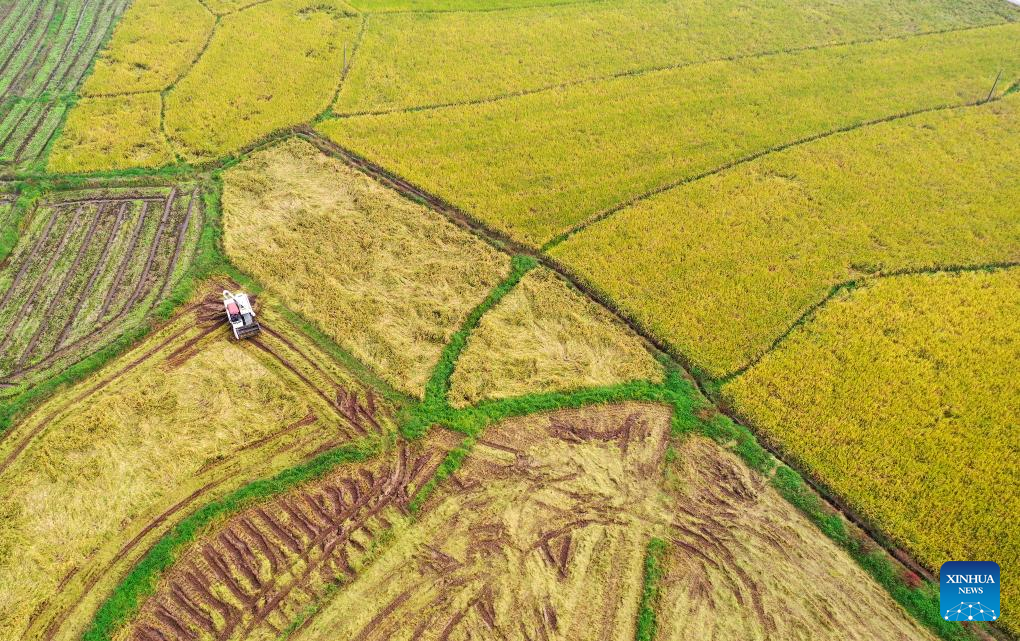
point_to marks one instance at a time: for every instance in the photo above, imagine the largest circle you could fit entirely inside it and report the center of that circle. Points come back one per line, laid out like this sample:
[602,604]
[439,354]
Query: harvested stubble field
[388,279]
[95,475]
[891,386]
[46,48]
[89,265]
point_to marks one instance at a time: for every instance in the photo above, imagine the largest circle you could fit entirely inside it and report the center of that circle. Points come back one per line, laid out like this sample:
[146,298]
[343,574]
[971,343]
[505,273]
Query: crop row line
[643,71]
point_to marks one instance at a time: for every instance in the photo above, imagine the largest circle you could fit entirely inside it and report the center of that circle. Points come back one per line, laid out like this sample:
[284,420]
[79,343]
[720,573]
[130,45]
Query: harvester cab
[240,315]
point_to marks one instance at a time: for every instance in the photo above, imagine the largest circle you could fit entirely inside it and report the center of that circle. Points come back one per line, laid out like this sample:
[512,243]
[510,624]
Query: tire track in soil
[99,574]
[34,62]
[30,137]
[61,348]
[80,397]
[93,277]
[21,41]
[311,528]
[181,235]
[269,441]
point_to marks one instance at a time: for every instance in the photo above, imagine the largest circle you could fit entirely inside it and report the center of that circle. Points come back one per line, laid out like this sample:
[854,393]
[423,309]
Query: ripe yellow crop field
[112,133]
[270,66]
[388,279]
[901,397]
[415,59]
[545,336]
[534,166]
[95,473]
[728,263]
[153,45]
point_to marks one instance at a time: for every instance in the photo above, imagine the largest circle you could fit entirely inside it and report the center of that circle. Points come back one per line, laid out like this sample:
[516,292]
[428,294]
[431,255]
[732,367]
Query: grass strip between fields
[647,623]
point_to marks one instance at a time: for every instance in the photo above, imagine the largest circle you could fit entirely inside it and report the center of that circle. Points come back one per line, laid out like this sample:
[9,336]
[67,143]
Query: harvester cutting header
[240,314]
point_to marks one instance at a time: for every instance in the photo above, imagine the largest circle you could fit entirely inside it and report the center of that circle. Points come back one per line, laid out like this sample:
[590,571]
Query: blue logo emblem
[969,591]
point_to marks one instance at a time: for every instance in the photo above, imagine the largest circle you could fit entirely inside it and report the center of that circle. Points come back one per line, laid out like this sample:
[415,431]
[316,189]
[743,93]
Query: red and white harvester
[240,315]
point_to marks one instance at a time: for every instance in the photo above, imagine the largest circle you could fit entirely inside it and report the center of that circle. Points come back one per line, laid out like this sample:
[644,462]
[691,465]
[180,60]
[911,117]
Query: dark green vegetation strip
[647,624]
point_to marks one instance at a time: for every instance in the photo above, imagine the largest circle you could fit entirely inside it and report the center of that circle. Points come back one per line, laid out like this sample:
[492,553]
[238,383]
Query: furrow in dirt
[29,258]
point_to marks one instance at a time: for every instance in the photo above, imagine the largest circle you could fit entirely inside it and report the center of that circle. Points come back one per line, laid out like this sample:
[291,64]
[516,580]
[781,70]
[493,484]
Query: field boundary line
[348,64]
[743,160]
[851,285]
[644,71]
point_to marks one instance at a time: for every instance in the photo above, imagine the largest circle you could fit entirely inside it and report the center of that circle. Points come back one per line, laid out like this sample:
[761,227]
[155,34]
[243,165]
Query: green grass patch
[647,624]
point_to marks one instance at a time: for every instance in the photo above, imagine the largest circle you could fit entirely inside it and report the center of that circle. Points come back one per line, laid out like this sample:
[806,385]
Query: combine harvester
[240,314]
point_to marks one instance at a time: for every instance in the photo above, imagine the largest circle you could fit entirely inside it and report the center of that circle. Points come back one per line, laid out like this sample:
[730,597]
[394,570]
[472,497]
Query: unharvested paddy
[534,166]
[900,396]
[722,267]
[421,59]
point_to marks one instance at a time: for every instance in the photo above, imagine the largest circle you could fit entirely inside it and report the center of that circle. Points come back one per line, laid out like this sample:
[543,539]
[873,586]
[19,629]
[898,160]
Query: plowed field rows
[184,418]
[46,49]
[87,266]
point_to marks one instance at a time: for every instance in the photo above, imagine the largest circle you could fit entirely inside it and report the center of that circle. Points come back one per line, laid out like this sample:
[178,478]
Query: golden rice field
[538,281]
[386,278]
[421,59]
[153,45]
[900,397]
[544,336]
[728,263]
[536,165]
[95,475]
[253,79]
[112,132]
